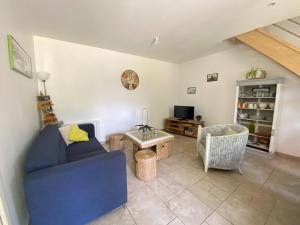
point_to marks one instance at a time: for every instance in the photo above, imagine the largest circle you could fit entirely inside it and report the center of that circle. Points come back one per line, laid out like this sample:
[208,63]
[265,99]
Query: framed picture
[130,79]
[19,59]
[191,90]
[212,77]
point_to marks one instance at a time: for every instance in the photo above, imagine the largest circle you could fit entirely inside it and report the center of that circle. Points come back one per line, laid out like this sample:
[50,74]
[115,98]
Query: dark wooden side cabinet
[183,127]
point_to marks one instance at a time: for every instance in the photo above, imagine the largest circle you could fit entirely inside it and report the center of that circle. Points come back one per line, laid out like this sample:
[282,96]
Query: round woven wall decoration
[130,79]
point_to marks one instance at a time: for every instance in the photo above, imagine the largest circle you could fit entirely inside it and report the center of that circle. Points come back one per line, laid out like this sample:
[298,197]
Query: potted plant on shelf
[257,73]
[198,117]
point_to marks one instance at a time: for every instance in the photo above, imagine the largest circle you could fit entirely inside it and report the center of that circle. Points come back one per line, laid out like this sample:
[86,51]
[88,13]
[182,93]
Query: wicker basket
[145,164]
[116,142]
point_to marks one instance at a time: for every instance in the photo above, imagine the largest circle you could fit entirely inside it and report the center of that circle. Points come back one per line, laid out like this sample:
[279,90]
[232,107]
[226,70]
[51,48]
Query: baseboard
[260,153]
[287,156]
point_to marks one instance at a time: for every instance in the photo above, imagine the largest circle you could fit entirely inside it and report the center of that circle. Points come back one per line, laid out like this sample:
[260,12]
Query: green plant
[257,73]
[144,128]
[251,128]
[250,74]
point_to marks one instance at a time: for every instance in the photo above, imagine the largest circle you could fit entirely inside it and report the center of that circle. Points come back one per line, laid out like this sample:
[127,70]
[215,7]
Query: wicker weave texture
[145,164]
[223,151]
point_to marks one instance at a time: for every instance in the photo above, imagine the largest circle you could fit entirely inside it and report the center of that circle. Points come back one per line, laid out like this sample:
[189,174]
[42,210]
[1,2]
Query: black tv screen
[184,112]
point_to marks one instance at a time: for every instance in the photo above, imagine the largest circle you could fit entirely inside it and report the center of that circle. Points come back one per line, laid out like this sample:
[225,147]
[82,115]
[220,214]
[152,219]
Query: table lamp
[43,76]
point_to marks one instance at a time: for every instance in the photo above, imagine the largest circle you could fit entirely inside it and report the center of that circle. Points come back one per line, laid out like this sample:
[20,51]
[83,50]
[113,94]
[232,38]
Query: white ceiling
[186,29]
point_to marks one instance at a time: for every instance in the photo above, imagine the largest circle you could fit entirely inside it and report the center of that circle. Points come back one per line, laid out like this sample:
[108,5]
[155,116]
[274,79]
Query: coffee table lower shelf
[162,150]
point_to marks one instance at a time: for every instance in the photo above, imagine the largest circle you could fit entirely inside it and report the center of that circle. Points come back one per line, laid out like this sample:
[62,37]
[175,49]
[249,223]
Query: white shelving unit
[262,135]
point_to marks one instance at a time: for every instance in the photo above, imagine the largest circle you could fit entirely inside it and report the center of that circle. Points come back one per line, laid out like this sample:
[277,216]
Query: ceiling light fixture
[271,4]
[154,41]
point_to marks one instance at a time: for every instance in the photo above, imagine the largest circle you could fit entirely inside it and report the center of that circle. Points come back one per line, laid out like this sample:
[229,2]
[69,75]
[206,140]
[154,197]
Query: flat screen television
[184,112]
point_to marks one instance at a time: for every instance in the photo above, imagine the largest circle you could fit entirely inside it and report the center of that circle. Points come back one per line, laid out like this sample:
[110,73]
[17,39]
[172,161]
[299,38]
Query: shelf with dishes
[256,107]
[256,97]
[268,106]
[255,120]
[260,139]
[259,146]
[246,124]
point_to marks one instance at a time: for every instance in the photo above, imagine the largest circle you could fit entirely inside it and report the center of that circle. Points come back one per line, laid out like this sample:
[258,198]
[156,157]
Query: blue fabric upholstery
[75,192]
[79,148]
[89,128]
[48,149]
[76,157]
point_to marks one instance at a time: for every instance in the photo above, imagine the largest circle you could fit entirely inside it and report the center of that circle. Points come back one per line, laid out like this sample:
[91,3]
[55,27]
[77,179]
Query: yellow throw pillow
[78,135]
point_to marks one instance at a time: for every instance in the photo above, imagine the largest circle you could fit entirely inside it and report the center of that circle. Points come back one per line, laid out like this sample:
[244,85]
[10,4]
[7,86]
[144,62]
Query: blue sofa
[75,184]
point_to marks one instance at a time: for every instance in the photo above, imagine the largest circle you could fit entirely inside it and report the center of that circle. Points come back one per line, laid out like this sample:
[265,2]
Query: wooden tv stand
[183,127]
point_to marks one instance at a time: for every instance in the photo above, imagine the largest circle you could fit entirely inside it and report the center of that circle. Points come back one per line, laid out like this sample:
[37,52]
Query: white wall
[216,100]
[85,84]
[18,117]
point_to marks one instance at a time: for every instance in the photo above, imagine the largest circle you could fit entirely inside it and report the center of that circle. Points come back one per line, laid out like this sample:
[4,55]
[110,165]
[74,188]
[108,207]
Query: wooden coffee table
[160,143]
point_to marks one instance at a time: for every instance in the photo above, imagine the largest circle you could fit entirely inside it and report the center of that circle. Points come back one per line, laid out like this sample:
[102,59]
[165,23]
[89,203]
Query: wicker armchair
[222,151]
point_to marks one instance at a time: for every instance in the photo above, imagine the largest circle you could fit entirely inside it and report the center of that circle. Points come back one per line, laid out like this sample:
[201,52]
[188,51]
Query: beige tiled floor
[182,194]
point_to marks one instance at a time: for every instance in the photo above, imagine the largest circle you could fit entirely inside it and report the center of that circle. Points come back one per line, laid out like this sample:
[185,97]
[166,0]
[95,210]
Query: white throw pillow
[65,130]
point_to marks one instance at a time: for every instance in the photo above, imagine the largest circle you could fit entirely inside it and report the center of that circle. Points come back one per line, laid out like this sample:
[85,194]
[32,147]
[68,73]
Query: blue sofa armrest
[78,192]
[89,128]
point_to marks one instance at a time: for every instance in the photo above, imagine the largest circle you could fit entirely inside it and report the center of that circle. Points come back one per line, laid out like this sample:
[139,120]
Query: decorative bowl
[262,105]
[243,115]
[255,117]
[271,105]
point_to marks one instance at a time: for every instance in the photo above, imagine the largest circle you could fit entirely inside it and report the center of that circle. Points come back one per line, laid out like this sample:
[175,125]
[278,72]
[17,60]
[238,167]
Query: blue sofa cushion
[48,149]
[72,158]
[83,147]
[81,150]
[89,128]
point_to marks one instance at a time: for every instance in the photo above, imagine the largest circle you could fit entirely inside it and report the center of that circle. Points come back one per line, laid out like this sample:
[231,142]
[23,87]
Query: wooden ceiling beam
[273,47]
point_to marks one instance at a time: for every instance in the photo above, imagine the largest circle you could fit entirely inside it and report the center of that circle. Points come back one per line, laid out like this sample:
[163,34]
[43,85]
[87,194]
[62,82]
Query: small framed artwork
[130,79]
[212,77]
[19,59]
[191,90]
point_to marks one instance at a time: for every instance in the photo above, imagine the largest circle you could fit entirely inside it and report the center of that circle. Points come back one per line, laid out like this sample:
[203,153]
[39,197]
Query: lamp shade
[43,76]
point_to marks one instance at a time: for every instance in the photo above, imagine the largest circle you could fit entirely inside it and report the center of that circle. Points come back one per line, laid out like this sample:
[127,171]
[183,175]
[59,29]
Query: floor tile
[187,176]
[267,193]
[223,180]
[286,212]
[147,209]
[272,221]
[254,175]
[176,221]
[289,166]
[240,212]
[201,190]
[133,183]
[219,193]
[120,216]
[189,209]
[284,185]
[163,191]
[216,219]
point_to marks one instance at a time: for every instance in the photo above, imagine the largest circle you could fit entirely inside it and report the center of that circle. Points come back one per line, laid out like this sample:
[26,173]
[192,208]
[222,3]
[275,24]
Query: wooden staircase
[273,47]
